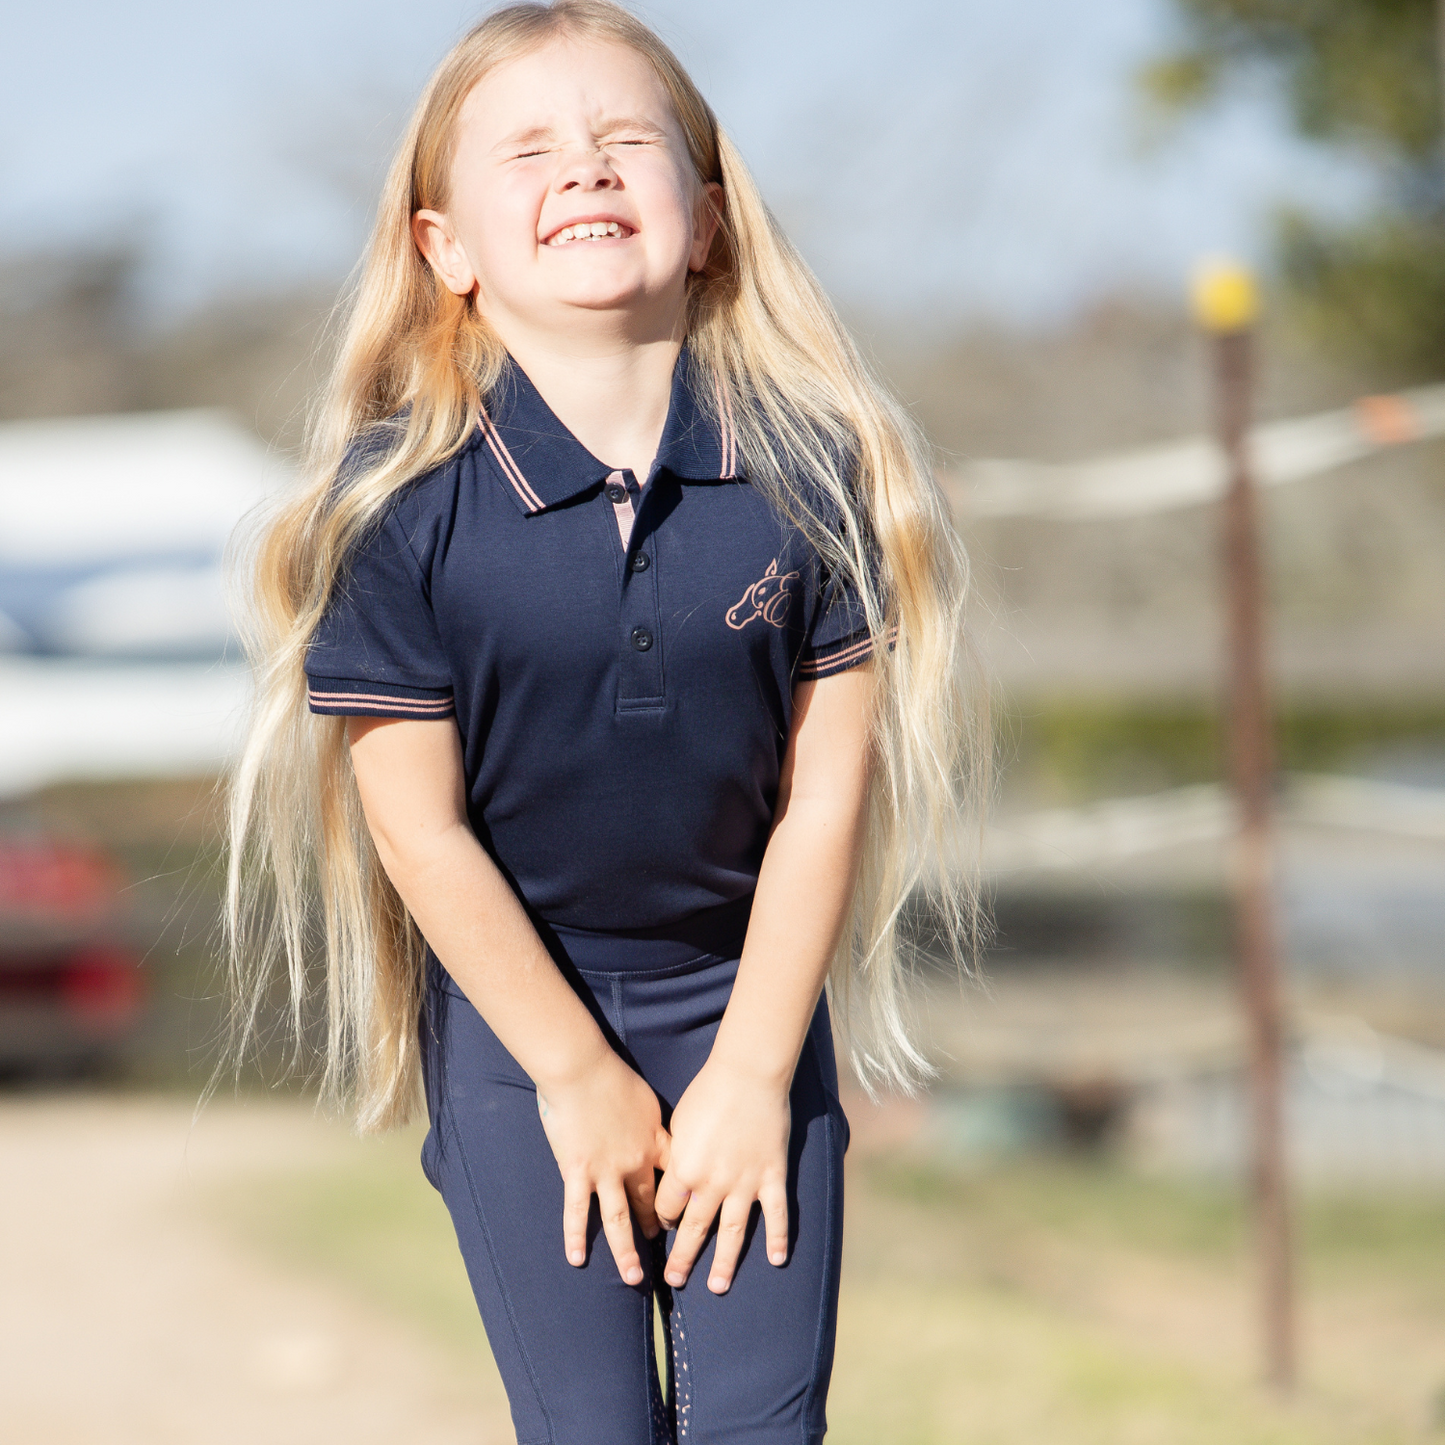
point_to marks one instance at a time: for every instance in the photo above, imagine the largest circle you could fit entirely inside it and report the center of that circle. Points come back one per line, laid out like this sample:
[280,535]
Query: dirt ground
[255,1273]
[128,1318]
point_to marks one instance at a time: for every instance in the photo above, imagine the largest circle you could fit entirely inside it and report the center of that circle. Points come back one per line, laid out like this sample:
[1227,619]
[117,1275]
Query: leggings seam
[621,1024]
[501,1281]
[808,1435]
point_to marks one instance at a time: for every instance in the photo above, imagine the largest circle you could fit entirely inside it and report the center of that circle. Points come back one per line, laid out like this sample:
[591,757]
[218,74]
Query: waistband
[712,932]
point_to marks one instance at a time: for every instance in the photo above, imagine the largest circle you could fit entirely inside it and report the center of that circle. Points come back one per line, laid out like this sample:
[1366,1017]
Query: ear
[436,240]
[706,218]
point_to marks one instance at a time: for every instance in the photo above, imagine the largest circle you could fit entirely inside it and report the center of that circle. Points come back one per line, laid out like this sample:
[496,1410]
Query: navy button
[641,639]
[641,561]
[616,493]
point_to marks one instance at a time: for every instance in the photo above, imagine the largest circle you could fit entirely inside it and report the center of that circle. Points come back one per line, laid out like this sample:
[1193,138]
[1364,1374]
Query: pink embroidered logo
[768,598]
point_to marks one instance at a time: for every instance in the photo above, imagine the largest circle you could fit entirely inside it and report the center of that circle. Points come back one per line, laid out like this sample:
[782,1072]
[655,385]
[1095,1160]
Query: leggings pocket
[840,1117]
[430,1149]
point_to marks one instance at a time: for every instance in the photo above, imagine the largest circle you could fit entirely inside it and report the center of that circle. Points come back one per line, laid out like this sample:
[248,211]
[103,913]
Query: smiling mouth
[590,231]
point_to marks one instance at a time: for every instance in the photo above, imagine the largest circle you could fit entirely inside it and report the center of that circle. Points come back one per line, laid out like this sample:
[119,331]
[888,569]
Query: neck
[610,389]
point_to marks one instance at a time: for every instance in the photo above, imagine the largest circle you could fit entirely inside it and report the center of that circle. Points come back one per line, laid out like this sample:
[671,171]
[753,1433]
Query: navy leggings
[575,1345]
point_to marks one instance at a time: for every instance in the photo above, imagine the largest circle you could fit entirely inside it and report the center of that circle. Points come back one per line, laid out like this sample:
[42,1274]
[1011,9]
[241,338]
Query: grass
[993,1368]
[1078,1301]
[1052,1301]
[373,1223]
[1093,1203]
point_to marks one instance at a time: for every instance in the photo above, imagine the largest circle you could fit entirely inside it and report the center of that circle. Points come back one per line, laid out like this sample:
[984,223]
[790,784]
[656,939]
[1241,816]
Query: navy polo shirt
[620,659]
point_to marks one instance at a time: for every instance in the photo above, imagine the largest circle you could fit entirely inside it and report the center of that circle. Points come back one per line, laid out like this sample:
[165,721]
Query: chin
[602,295]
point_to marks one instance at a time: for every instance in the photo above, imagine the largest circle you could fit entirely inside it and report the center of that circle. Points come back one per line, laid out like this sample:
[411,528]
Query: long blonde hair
[414,363]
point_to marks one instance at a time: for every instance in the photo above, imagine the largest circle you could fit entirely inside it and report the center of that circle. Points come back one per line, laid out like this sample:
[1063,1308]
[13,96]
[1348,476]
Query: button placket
[640,683]
[616,492]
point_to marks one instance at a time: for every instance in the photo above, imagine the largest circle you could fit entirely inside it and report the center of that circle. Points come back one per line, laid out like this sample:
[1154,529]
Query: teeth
[585,231]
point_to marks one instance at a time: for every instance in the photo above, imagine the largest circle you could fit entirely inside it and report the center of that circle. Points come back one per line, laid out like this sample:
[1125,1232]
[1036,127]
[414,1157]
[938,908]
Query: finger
[774,1200]
[642,1191]
[576,1206]
[732,1229]
[670,1199]
[617,1226]
[691,1236]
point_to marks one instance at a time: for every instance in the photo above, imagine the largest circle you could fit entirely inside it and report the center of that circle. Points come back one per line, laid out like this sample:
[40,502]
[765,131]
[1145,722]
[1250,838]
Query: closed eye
[632,136]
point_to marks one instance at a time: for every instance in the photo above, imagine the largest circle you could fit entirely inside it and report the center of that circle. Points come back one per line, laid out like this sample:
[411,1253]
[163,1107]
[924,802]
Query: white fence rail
[1188,473]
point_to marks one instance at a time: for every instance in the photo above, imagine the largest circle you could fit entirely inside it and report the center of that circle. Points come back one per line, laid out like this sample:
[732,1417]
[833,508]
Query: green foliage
[1356,71]
[1375,291]
[1078,750]
[1364,75]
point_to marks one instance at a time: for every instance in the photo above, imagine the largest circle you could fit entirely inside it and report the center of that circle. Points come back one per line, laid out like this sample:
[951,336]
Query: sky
[937,161]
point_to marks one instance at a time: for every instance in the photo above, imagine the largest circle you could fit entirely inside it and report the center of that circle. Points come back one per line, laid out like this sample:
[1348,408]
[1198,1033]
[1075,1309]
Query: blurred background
[1007,202]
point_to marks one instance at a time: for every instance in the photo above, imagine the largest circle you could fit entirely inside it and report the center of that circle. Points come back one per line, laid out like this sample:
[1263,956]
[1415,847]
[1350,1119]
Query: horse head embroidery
[769,598]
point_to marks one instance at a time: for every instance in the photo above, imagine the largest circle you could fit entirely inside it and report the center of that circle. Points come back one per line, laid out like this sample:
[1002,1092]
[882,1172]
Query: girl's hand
[605,1129]
[729,1147]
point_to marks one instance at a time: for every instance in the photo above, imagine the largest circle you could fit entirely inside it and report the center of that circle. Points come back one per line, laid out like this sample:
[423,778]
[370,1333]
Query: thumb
[670,1200]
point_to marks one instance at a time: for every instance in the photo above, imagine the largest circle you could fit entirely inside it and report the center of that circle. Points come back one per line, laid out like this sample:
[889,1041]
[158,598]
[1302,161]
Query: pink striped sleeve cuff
[840,656]
[334,697]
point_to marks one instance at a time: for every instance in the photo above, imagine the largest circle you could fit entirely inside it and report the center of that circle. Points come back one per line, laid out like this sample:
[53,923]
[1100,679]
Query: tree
[1362,75]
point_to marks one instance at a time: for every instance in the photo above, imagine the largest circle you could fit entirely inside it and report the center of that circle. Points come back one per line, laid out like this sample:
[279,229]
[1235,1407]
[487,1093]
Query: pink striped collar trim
[728,435]
[510,469]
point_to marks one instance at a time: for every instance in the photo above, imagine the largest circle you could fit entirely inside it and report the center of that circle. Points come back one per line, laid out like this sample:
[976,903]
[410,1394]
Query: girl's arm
[602,1120]
[730,1128]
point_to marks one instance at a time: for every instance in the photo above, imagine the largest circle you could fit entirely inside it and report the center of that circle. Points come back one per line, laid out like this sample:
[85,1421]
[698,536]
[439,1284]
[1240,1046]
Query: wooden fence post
[1226,306]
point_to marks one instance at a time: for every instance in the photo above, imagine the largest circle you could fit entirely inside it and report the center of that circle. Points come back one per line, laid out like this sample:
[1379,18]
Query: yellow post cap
[1223,295]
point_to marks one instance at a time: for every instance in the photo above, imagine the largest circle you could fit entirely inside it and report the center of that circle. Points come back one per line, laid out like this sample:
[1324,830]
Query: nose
[586,170]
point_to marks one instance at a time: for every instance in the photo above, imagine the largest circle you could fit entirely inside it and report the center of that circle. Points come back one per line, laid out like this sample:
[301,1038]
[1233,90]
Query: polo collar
[541,464]
[698,445]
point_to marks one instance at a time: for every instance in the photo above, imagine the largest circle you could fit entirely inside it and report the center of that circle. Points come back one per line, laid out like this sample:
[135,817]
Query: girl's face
[572,194]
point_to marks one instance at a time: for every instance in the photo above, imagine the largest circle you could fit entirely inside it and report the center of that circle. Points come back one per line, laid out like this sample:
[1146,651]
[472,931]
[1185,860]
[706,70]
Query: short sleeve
[839,638]
[376,651]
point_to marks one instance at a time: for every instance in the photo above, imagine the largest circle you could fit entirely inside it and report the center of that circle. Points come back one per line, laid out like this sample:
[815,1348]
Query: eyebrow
[527,137]
[629,122]
[609,126]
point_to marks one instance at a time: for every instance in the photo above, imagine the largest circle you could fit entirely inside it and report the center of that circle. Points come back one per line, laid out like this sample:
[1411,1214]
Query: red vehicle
[71,995]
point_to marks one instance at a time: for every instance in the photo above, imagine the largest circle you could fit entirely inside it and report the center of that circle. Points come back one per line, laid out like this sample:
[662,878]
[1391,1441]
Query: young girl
[628,620]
